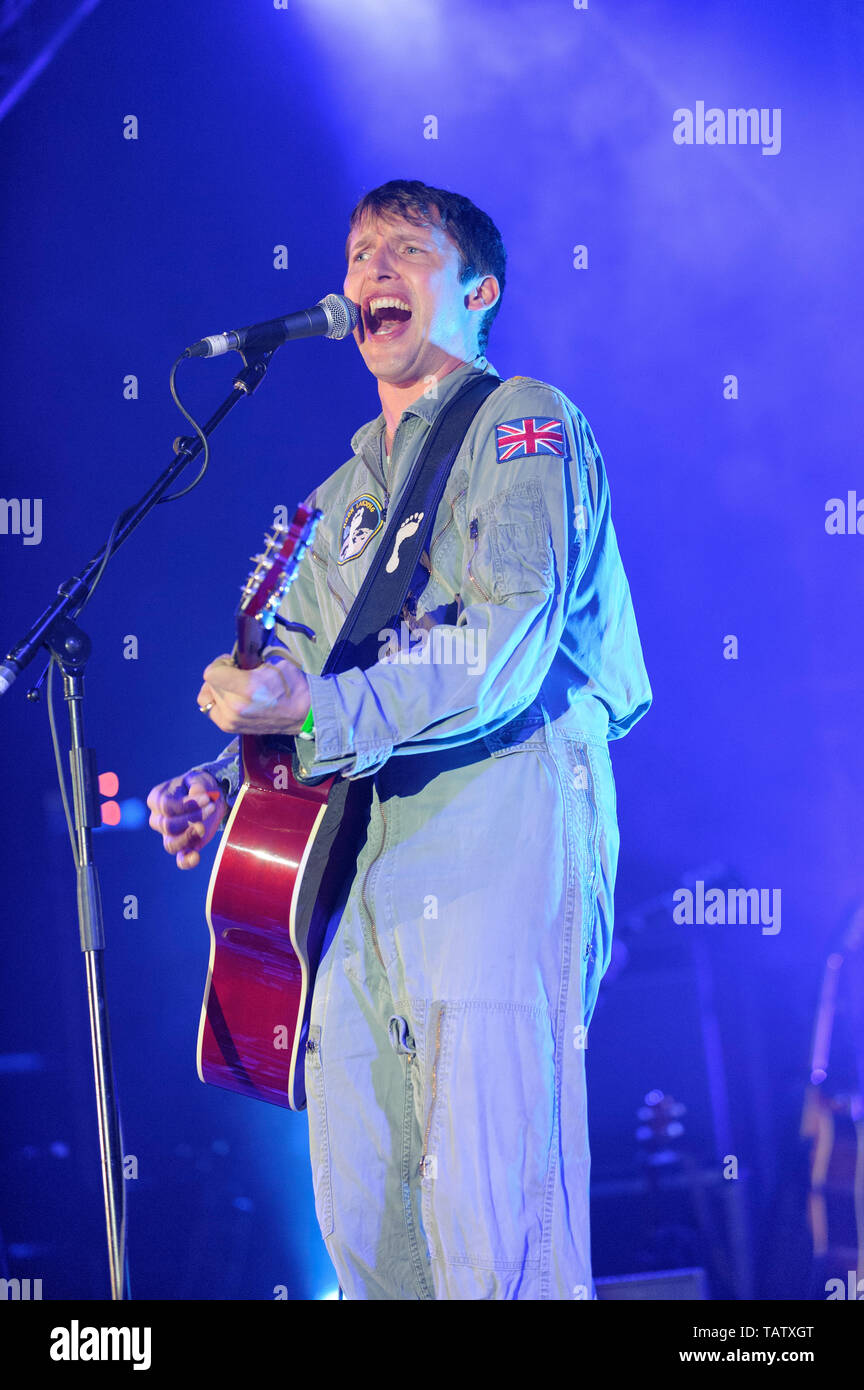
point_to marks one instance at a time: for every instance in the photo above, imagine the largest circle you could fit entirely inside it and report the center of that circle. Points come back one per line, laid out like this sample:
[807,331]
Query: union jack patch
[516,439]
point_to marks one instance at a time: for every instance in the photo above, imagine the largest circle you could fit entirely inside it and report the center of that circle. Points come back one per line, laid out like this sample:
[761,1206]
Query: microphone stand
[57,631]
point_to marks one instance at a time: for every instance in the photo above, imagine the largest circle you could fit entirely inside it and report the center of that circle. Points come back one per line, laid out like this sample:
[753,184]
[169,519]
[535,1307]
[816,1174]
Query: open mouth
[384,316]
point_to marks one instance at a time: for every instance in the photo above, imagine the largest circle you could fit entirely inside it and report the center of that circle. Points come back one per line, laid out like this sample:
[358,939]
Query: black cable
[55,743]
[196,427]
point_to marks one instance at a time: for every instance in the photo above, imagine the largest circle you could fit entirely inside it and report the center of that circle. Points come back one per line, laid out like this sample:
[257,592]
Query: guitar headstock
[660,1128]
[269,582]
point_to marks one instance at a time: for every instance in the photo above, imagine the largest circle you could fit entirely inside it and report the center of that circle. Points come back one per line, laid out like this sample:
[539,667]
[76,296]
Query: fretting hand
[270,699]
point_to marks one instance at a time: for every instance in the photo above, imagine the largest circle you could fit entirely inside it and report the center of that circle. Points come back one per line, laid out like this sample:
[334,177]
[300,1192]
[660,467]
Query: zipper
[447,524]
[434,1083]
[433,545]
[325,566]
[337,597]
[365,900]
[588,952]
[473,532]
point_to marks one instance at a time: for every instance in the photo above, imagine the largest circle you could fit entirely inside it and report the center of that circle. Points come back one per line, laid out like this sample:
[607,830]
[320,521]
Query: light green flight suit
[445,1065]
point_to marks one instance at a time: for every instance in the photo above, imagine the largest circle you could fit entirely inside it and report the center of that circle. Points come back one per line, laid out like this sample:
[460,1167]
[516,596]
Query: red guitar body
[253,1022]
[252,1033]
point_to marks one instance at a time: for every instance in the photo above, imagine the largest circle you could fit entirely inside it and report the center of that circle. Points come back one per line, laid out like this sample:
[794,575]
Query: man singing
[445,1064]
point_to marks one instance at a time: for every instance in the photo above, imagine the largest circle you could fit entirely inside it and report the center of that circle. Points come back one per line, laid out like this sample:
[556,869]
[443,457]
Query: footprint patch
[407,528]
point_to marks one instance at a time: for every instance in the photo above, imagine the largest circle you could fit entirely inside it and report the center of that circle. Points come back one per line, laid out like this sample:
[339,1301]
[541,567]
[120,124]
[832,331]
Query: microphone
[332,317]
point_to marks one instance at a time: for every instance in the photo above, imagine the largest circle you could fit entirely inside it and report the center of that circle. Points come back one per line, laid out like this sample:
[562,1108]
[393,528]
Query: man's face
[417,266]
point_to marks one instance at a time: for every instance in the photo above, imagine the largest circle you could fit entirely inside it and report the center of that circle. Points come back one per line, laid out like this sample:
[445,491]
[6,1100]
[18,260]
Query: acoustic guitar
[251,1037]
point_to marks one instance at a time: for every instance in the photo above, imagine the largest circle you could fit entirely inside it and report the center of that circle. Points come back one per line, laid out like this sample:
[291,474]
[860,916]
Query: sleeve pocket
[515,554]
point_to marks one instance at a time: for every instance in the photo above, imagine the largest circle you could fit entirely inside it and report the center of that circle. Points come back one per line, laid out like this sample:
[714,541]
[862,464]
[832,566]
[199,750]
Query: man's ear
[484,294]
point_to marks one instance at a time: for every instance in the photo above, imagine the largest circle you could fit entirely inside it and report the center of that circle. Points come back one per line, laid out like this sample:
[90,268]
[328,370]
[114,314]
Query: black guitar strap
[385,587]
[382,594]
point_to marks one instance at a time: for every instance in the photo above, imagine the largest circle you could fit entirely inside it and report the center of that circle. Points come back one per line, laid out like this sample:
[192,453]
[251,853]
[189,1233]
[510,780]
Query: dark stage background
[710,330]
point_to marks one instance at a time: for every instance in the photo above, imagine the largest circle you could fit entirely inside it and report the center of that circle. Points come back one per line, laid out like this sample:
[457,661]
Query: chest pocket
[511,552]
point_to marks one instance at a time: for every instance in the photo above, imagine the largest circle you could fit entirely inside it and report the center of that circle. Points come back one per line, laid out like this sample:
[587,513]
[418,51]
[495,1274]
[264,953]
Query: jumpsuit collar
[368,444]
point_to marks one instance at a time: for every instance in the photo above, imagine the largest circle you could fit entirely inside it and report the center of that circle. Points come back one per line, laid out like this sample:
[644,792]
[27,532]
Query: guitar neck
[268,584]
[250,643]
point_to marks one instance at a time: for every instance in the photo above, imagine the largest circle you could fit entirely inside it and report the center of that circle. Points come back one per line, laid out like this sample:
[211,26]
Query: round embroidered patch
[363,520]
